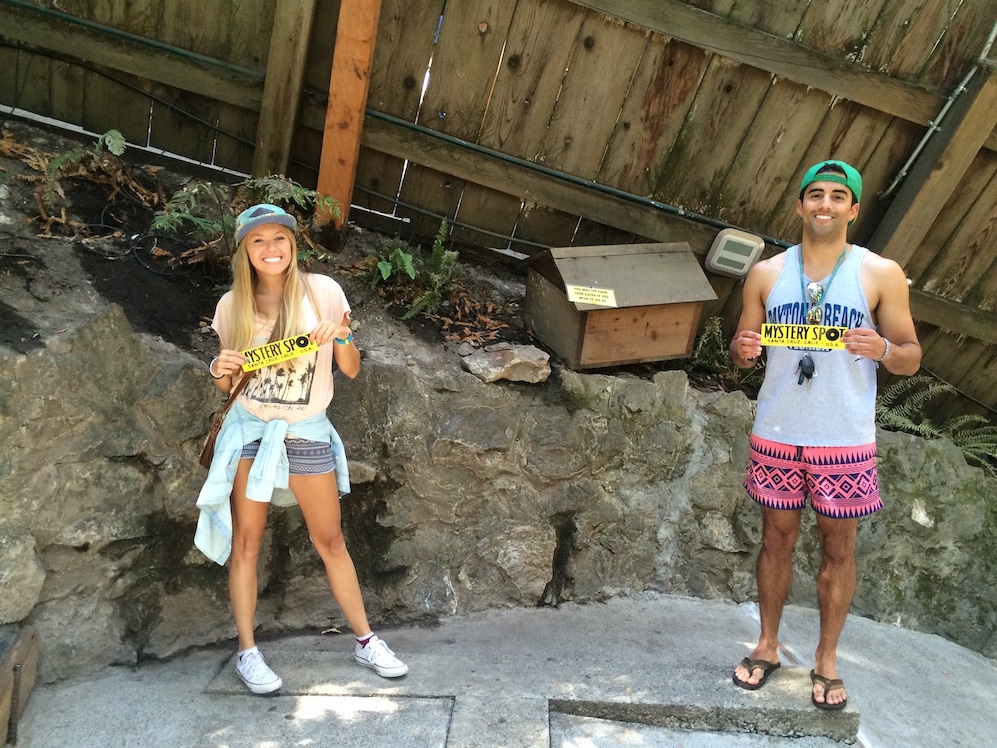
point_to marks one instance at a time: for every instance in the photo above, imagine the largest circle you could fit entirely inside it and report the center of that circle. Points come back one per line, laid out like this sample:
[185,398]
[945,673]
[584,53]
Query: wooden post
[939,169]
[351,62]
[292,25]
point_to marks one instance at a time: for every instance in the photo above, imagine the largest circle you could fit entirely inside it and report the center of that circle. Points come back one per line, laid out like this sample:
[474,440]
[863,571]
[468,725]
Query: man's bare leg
[835,589]
[780,529]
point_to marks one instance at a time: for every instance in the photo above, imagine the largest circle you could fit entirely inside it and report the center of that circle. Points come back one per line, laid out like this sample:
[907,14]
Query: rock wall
[466,496]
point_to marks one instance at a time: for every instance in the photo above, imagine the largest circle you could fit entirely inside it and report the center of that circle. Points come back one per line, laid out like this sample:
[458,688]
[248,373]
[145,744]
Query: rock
[22,574]
[516,363]
[465,496]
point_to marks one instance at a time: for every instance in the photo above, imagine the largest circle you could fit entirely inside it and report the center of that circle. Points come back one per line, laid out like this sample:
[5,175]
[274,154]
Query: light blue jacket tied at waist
[267,478]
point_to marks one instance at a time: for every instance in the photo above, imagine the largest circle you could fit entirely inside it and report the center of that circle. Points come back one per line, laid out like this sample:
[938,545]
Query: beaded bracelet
[886,351]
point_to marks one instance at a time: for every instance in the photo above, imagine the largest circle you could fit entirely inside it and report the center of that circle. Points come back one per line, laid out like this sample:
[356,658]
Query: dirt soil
[106,232]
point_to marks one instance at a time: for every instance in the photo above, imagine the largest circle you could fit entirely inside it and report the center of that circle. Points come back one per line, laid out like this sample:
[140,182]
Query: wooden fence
[573,122]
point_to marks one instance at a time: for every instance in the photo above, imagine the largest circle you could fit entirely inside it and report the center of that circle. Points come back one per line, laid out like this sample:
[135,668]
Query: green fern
[438,276]
[391,266]
[422,284]
[207,211]
[712,354]
[900,406]
[92,160]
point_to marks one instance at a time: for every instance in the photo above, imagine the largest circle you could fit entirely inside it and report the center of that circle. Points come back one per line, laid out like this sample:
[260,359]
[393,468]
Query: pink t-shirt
[300,387]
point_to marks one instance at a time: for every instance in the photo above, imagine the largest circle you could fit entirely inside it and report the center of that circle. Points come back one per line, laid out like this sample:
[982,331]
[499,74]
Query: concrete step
[505,674]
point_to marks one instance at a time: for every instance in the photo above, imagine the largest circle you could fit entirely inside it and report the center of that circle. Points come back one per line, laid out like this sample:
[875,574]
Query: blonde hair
[290,316]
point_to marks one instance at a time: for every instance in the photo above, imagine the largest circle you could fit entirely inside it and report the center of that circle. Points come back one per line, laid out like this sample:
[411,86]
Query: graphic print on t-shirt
[285,383]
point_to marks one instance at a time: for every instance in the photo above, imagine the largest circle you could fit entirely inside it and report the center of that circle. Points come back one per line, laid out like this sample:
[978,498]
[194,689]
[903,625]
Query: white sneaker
[379,658]
[256,674]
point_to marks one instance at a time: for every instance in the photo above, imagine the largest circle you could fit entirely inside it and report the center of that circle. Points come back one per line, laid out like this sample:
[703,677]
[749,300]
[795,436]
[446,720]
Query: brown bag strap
[234,393]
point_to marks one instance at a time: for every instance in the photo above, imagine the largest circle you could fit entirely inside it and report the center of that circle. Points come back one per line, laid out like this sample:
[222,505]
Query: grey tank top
[838,408]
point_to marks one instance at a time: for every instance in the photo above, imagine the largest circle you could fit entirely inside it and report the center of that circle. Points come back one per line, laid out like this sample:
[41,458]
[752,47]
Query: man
[814,431]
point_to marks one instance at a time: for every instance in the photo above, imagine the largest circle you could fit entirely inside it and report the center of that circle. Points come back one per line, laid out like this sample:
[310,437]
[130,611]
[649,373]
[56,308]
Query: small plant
[207,211]
[712,354]
[202,210]
[422,284]
[437,276]
[899,407]
[99,163]
[389,267]
[83,161]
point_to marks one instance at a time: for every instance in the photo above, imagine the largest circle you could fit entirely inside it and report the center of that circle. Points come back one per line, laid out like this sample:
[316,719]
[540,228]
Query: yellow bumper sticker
[279,350]
[803,336]
[591,295]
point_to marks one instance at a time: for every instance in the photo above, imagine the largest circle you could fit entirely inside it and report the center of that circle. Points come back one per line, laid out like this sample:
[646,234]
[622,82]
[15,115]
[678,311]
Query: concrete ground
[650,670]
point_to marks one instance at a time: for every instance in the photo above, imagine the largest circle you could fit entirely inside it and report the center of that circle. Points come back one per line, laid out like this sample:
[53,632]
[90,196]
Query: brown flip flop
[765,666]
[829,684]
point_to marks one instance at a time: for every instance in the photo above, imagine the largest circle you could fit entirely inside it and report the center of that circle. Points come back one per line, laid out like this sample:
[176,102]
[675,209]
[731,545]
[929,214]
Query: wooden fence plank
[236,152]
[543,225]
[224,83]
[405,36]
[109,105]
[978,379]
[781,57]
[472,37]
[436,192]
[711,136]
[513,179]
[949,358]
[377,174]
[141,17]
[897,143]
[250,32]
[9,82]
[774,145]
[961,45]
[594,89]
[537,53]
[939,169]
[175,128]
[960,319]
[34,73]
[538,50]
[595,86]
[776,17]
[292,25]
[905,34]
[952,216]
[969,253]
[591,233]
[306,152]
[721,8]
[663,90]
[69,91]
[195,25]
[983,295]
[839,28]
[465,59]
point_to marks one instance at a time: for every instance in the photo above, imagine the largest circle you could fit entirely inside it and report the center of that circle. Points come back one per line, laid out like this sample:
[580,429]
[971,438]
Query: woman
[277,434]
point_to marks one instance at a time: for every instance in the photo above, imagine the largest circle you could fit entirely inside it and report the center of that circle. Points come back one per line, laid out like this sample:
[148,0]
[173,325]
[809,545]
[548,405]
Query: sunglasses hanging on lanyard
[814,293]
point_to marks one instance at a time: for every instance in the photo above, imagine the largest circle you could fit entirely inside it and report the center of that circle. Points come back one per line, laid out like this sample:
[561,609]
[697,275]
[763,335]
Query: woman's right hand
[227,363]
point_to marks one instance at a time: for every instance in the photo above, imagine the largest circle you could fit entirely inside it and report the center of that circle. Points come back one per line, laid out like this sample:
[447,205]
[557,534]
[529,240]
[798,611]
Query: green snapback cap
[851,178]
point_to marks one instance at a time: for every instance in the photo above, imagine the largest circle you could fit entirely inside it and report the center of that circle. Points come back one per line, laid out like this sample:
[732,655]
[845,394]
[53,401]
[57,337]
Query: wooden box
[18,647]
[613,305]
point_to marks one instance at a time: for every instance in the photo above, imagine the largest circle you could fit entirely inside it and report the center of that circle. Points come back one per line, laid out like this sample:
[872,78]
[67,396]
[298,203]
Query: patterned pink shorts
[841,481]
